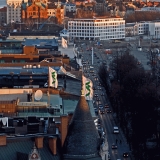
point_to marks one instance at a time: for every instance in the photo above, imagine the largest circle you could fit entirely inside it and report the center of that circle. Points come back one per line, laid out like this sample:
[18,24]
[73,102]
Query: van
[115,130]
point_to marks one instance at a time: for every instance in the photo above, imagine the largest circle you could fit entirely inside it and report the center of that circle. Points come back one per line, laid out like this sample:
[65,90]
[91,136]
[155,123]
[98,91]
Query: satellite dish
[38,95]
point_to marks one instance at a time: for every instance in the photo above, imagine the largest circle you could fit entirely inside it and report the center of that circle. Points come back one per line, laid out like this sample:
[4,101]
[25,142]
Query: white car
[115,130]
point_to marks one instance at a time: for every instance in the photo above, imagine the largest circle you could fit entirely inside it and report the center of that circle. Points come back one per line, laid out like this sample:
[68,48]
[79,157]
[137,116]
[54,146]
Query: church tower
[82,140]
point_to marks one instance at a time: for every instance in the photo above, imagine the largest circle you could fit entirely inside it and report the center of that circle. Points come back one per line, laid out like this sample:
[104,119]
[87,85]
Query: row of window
[97,34]
[106,37]
[95,30]
[99,27]
[13,61]
[95,24]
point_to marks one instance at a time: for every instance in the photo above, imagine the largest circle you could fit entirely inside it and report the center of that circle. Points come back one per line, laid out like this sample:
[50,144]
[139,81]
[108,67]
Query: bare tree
[29,23]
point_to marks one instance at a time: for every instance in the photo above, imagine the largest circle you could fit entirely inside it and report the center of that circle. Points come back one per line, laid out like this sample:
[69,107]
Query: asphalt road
[108,118]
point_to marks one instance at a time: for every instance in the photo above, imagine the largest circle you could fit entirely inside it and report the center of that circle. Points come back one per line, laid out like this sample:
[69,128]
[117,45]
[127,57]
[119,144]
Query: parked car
[109,156]
[96,110]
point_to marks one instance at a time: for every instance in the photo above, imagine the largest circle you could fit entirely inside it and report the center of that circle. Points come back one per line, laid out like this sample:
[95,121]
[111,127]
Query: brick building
[35,11]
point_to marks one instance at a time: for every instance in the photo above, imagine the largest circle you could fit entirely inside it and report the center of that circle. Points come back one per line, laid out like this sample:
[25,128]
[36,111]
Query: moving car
[115,130]
[106,106]
[102,111]
[108,110]
[125,154]
[96,95]
[102,94]
[114,146]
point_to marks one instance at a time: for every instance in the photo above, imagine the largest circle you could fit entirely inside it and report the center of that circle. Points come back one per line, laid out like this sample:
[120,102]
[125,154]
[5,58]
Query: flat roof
[11,97]
[32,104]
[40,42]
[11,40]
[21,70]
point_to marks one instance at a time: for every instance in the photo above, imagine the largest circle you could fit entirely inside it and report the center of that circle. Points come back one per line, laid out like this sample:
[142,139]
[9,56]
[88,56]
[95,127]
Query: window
[2,61]
[14,61]
[22,61]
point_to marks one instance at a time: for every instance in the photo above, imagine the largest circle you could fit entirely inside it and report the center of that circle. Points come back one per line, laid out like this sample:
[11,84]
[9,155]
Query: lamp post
[92,55]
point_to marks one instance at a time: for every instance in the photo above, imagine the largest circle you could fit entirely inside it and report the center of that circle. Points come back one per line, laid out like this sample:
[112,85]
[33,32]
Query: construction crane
[41,26]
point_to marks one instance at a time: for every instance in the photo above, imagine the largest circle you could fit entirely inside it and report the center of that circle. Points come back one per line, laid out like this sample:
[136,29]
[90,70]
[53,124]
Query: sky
[2,3]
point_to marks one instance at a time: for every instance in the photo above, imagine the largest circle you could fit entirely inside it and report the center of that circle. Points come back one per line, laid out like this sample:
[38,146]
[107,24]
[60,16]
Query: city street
[108,122]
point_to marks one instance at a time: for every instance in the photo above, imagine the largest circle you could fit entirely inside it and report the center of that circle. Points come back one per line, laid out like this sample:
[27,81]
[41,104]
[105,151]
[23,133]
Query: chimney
[3,140]
[53,144]
[39,142]
[64,128]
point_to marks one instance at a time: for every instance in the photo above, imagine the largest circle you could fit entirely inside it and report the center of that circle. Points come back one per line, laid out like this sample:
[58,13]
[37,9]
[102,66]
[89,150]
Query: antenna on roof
[38,95]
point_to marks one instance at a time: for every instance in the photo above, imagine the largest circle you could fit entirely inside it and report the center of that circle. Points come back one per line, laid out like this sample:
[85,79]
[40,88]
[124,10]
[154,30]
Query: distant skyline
[2,3]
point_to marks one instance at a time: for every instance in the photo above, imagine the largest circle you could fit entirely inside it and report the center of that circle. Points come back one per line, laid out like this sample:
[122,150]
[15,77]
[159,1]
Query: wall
[7,106]
[15,91]
[34,11]
[30,50]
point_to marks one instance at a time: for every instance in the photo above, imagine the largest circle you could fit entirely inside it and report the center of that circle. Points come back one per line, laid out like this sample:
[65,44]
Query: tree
[135,102]
[104,77]
[29,23]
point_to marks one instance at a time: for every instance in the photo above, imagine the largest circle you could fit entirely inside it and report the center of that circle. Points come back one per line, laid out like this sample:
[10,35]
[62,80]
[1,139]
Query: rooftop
[82,134]
[40,42]
[10,41]
[23,146]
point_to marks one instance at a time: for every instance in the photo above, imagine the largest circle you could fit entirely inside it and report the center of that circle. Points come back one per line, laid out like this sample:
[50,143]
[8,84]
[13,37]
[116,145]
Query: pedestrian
[120,141]
[116,141]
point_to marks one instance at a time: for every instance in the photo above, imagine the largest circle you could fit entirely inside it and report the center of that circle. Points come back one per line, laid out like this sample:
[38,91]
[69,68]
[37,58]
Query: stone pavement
[141,57]
[68,51]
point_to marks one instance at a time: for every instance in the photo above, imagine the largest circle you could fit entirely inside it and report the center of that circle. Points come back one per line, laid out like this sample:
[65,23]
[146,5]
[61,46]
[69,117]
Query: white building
[14,11]
[150,9]
[70,7]
[154,29]
[143,28]
[97,28]
[148,28]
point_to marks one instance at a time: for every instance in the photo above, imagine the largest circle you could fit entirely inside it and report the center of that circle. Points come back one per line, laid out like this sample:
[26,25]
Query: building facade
[97,28]
[154,29]
[34,11]
[13,11]
[131,29]
[3,15]
[70,7]
[99,6]
[53,9]
[148,28]
[143,28]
